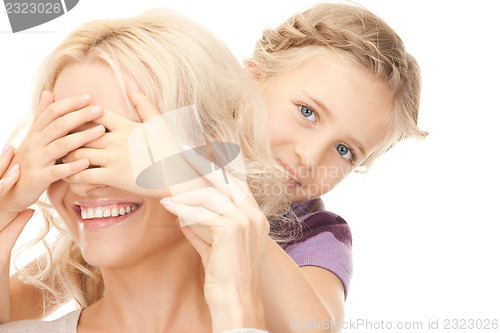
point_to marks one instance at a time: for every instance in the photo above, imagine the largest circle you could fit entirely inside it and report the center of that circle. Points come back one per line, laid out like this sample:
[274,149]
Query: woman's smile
[103,213]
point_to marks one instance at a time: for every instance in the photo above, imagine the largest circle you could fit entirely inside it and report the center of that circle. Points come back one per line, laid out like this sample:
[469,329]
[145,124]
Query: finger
[96,157]
[143,105]
[111,120]
[217,203]
[202,247]
[46,99]
[189,215]
[63,146]
[10,234]
[59,108]
[63,125]
[91,176]
[8,182]
[209,198]
[6,158]
[62,171]
[201,228]
[99,143]
[229,185]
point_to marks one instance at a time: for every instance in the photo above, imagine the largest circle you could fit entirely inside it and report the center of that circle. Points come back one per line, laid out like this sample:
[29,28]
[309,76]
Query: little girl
[341,90]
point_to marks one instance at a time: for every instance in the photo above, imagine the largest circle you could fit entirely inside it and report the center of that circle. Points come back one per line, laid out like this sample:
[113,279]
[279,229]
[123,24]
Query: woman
[137,271]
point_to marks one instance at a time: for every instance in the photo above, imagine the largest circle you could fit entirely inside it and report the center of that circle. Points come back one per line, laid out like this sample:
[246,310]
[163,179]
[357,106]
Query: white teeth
[100,212]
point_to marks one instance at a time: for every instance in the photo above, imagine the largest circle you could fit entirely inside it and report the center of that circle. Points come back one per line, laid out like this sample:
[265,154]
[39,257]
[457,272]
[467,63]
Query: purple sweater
[325,241]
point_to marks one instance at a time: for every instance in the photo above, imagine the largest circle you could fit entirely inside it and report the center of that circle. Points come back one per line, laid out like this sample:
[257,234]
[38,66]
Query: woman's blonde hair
[357,35]
[175,62]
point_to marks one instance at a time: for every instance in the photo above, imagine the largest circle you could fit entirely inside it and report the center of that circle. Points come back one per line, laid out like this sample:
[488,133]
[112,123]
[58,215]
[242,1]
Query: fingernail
[86,98]
[7,146]
[167,201]
[96,109]
[14,169]
[82,163]
[98,129]
[44,93]
[134,87]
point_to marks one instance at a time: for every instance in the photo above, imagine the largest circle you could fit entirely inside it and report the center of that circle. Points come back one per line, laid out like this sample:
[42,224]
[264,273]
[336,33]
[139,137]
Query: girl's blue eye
[308,113]
[344,151]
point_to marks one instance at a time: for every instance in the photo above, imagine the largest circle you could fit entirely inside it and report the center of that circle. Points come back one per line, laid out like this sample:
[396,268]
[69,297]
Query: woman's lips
[98,214]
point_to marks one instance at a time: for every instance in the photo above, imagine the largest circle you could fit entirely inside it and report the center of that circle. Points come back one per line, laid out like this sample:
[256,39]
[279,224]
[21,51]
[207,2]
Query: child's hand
[46,141]
[225,225]
[110,154]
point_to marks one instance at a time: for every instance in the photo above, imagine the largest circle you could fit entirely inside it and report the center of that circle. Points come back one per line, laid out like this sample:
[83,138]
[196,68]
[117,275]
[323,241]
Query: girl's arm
[286,295]
[293,295]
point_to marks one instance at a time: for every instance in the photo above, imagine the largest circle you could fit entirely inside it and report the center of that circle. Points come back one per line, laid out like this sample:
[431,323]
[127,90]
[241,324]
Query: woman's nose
[84,189]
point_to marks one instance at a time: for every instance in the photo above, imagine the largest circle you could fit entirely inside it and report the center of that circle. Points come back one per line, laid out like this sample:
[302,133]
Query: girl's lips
[291,170]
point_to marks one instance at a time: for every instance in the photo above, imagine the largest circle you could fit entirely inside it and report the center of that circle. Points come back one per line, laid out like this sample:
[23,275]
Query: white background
[424,220]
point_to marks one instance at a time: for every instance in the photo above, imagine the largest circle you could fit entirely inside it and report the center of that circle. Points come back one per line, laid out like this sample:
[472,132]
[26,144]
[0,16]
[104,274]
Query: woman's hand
[9,229]
[46,141]
[33,167]
[230,238]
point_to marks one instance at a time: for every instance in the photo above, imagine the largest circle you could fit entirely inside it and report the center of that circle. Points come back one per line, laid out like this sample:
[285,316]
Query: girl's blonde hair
[357,35]
[176,63]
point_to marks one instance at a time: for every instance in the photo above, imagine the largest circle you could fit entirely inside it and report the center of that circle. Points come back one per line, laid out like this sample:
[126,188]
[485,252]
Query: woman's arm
[35,160]
[293,295]
[10,227]
[27,301]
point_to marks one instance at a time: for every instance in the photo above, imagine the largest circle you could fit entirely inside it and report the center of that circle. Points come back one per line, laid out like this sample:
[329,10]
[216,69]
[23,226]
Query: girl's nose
[310,153]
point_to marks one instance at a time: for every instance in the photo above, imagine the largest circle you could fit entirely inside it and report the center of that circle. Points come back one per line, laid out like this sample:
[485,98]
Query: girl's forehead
[339,79]
[350,100]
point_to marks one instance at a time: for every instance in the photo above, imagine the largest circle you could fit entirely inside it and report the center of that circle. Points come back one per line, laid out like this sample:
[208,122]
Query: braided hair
[355,33]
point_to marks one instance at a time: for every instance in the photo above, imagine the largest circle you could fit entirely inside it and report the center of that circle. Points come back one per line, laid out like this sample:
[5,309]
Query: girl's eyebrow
[329,114]
[320,105]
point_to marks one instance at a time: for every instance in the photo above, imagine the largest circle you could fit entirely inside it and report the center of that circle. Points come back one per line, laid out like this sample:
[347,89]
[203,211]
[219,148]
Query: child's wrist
[231,308]
[233,315]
